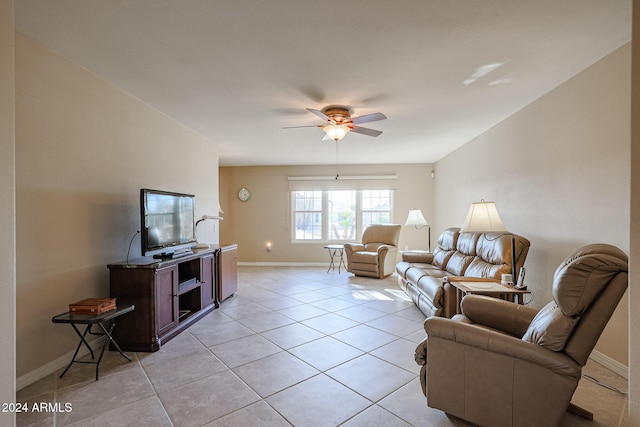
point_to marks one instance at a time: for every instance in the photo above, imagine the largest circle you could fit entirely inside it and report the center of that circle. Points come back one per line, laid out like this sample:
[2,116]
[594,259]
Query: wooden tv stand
[169,296]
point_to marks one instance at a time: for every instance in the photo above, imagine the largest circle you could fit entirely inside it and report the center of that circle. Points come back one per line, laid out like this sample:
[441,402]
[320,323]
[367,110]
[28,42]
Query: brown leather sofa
[504,364]
[474,256]
[377,254]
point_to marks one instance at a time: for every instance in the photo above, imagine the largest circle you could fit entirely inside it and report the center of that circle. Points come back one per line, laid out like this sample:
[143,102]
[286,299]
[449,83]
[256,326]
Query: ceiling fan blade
[368,118]
[289,111]
[319,114]
[313,93]
[366,131]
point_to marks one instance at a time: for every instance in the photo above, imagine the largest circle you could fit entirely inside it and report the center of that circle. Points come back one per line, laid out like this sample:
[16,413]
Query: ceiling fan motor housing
[340,122]
[337,113]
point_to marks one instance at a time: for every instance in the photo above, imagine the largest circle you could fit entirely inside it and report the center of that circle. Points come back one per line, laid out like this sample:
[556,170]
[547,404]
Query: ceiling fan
[340,122]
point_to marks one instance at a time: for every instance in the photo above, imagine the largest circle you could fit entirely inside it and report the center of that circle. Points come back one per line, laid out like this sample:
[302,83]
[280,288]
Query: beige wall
[634,292]
[84,148]
[7,211]
[559,172]
[266,216]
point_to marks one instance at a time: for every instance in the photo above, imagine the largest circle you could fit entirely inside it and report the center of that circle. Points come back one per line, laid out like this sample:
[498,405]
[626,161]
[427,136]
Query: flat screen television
[167,222]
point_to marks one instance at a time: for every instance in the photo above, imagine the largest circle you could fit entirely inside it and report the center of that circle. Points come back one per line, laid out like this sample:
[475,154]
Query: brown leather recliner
[503,364]
[376,255]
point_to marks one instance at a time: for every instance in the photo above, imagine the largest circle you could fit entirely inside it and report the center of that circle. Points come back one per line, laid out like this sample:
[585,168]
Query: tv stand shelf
[169,296]
[188,285]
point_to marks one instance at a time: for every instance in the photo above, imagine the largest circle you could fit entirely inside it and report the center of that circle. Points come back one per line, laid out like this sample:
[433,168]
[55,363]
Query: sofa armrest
[496,342]
[505,316]
[418,257]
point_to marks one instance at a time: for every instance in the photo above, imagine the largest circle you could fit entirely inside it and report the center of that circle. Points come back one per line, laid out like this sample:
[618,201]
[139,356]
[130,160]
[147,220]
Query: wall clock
[244,194]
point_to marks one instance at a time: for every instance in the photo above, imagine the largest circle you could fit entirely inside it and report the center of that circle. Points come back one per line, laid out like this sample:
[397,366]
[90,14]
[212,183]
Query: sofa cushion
[382,234]
[441,257]
[481,268]
[426,269]
[431,270]
[448,239]
[372,247]
[416,272]
[402,267]
[445,247]
[494,248]
[467,243]
[550,328]
[466,251]
[364,257]
[458,263]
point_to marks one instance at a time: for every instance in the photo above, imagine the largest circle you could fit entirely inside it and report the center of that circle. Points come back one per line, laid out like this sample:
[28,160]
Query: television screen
[167,221]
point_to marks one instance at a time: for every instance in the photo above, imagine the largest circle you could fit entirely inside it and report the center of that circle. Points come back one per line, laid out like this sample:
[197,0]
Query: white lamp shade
[336,132]
[483,217]
[416,218]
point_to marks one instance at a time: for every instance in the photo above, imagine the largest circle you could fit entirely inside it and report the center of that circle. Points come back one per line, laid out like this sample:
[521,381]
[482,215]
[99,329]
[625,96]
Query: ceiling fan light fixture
[336,132]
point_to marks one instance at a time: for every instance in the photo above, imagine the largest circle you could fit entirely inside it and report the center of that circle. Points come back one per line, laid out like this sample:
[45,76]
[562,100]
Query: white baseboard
[48,369]
[610,363]
[284,264]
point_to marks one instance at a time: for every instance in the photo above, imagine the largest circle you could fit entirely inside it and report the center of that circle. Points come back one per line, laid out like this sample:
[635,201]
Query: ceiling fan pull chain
[337,162]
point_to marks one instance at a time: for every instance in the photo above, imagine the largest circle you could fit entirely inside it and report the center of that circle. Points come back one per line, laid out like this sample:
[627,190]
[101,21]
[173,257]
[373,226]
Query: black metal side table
[106,322]
[336,251]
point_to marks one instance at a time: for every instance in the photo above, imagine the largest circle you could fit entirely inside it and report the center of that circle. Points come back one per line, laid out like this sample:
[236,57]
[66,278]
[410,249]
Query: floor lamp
[204,218]
[483,217]
[416,219]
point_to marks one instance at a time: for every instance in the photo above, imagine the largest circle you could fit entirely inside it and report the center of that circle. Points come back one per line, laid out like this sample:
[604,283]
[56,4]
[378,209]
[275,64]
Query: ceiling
[238,71]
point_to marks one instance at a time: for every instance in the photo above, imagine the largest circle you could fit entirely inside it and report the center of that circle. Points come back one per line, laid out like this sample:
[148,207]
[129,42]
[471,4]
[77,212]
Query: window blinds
[361,182]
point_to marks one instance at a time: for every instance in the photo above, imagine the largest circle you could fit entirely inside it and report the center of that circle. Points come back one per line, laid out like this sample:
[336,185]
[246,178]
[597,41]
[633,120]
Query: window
[376,207]
[342,215]
[307,215]
[338,215]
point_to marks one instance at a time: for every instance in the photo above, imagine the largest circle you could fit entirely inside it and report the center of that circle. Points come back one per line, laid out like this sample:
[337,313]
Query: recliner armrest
[420,354]
[353,247]
[385,248]
[496,342]
[505,316]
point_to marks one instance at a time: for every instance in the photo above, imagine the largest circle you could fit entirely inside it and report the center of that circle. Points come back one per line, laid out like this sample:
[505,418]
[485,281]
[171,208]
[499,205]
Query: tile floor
[294,346]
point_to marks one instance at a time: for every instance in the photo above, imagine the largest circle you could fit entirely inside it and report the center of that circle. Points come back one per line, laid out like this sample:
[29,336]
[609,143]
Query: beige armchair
[376,255]
[503,364]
